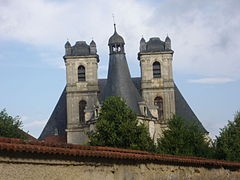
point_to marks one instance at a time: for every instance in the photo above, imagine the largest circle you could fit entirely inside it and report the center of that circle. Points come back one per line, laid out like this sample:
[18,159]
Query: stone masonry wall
[23,169]
[31,159]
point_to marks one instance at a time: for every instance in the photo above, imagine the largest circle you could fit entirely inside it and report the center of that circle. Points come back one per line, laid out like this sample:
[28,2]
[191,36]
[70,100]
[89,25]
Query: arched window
[156,70]
[158,101]
[82,106]
[81,73]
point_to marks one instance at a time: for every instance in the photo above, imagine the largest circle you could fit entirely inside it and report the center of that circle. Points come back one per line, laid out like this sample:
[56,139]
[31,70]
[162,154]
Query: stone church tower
[157,84]
[81,62]
[153,97]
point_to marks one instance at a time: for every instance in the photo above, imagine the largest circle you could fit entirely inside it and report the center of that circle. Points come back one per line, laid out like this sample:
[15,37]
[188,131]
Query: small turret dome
[142,40]
[167,39]
[143,45]
[92,43]
[67,45]
[115,38]
[167,43]
[93,47]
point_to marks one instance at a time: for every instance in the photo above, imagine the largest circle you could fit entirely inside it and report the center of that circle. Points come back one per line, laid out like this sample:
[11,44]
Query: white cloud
[211,80]
[205,34]
[35,124]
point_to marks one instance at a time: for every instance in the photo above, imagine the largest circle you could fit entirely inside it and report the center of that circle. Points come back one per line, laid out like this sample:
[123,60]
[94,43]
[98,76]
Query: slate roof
[58,119]
[185,111]
[119,83]
[116,38]
[155,45]
[81,48]
[35,148]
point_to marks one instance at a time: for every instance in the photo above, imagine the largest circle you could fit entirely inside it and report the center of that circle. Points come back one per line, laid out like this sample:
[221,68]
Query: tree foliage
[228,142]
[117,126]
[10,126]
[183,138]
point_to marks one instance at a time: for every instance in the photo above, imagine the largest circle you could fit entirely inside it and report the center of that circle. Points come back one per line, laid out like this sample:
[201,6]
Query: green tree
[117,126]
[228,142]
[10,126]
[183,138]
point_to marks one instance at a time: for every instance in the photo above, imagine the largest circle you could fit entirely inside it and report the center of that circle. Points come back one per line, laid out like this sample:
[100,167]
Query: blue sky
[205,37]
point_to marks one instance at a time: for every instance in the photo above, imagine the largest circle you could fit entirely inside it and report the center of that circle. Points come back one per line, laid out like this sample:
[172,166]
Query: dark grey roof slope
[58,119]
[184,110]
[81,48]
[116,38]
[119,82]
[155,45]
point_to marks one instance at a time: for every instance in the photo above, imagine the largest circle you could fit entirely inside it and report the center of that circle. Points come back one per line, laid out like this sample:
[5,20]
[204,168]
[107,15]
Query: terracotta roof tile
[33,146]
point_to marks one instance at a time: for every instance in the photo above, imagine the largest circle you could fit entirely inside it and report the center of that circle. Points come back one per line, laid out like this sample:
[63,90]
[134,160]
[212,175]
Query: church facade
[153,97]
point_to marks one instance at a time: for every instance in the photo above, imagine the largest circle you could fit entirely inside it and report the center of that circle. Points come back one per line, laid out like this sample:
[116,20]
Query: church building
[153,97]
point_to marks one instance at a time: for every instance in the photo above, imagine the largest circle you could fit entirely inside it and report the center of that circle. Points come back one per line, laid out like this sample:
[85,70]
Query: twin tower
[153,96]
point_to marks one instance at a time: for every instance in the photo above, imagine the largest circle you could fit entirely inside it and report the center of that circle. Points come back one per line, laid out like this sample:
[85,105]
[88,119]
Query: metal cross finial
[114,22]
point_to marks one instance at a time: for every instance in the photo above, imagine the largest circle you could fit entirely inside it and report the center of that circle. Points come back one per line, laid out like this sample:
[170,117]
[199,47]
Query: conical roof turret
[119,82]
[92,43]
[142,40]
[67,44]
[167,39]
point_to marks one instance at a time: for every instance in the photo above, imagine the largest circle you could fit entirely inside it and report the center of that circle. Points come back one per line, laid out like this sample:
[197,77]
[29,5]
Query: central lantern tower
[119,82]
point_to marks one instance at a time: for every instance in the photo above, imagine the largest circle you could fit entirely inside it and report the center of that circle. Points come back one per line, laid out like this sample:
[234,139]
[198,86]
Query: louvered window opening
[156,70]
[81,73]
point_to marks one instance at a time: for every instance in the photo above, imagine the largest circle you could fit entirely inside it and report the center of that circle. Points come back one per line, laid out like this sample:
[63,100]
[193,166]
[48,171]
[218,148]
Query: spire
[93,48]
[143,45]
[114,23]
[167,38]
[119,82]
[68,48]
[115,38]
[115,29]
[67,45]
[167,43]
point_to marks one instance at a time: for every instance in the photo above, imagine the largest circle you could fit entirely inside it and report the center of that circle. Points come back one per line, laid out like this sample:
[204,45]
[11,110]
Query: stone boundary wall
[39,160]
